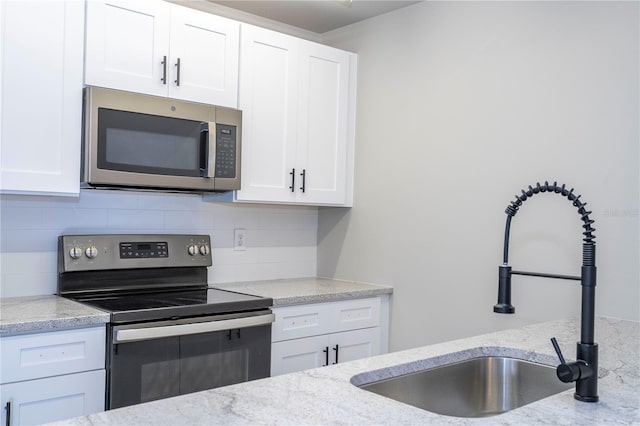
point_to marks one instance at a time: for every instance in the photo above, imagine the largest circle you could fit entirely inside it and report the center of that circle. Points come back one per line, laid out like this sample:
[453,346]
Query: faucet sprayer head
[504,305]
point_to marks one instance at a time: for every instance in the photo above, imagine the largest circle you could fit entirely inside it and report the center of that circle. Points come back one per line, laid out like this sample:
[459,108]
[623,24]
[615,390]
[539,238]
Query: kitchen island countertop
[327,396]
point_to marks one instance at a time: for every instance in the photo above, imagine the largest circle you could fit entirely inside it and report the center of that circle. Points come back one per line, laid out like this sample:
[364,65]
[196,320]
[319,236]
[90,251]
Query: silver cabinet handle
[137,334]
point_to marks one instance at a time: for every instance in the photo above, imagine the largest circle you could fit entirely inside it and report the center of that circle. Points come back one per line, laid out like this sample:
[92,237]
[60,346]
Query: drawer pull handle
[326,356]
[336,349]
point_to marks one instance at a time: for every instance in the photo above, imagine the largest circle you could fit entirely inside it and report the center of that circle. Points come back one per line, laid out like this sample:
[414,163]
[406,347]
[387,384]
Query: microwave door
[207,150]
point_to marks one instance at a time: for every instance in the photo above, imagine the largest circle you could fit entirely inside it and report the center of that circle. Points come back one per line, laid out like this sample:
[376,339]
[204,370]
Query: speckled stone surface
[326,396]
[19,315]
[306,290]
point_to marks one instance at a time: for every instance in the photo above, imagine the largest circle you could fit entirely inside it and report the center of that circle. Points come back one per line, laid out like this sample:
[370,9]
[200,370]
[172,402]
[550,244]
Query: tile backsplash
[281,240]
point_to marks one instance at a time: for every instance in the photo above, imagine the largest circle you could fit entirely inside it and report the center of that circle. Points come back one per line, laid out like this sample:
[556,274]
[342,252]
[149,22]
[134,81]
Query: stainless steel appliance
[169,333]
[147,142]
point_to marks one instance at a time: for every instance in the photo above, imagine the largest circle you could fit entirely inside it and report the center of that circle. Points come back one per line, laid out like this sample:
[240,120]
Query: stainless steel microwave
[134,141]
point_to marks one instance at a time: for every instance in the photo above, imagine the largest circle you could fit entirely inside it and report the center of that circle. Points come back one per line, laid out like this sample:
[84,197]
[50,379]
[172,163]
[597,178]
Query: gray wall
[461,104]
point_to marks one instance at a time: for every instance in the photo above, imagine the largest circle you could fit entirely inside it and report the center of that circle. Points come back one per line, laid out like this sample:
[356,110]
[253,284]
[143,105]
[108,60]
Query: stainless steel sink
[478,387]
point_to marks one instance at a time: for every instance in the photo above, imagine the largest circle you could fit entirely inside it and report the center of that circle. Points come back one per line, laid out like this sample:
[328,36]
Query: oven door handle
[148,333]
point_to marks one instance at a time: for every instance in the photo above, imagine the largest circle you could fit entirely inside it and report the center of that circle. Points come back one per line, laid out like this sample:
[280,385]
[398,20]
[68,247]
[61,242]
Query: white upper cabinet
[268,99]
[298,103]
[126,44]
[41,96]
[162,49]
[322,124]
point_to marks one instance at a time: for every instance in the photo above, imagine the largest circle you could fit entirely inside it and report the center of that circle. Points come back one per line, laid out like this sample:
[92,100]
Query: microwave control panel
[226,147]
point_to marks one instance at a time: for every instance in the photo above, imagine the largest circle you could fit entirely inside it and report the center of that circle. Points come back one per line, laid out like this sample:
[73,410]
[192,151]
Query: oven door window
[240,357]
[160,368]
[145,371]
[144,143]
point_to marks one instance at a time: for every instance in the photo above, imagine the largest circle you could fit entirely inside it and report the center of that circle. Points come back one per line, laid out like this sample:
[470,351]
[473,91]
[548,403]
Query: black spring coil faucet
[584,371]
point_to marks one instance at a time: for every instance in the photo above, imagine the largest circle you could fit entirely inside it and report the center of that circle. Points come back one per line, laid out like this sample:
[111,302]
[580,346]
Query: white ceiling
[318,16]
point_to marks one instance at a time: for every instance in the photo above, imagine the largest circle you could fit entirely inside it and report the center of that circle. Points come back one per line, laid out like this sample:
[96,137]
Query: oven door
[164,359]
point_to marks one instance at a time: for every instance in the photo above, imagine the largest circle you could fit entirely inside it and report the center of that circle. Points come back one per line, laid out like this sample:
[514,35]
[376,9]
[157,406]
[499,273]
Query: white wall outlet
[239,239]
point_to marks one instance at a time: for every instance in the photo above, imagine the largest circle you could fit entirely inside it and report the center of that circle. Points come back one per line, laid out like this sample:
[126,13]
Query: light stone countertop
[306,290]
[31,314]
[326,396]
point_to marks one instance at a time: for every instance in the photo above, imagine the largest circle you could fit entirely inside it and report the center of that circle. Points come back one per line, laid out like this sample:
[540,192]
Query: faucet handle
[554,342]
[567,373]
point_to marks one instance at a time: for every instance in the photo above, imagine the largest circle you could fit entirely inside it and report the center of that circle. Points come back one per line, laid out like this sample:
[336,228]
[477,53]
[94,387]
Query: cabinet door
[41,96]
[126,44]
[268,100]
[52,399]
[323,123]
[356,344]
[204,51]
[299,354]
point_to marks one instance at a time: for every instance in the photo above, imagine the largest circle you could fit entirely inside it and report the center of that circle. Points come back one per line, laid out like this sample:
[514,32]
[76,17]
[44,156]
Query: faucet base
[587,388]
[586,398]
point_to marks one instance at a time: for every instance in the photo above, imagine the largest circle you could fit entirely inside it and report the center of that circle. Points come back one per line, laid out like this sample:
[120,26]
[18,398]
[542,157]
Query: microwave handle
[207,150]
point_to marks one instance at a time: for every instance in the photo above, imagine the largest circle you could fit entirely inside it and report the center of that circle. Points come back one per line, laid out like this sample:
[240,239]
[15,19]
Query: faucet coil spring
[589,238]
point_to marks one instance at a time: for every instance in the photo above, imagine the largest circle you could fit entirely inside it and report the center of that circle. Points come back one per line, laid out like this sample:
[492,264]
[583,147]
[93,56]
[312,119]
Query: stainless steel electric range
[169,333]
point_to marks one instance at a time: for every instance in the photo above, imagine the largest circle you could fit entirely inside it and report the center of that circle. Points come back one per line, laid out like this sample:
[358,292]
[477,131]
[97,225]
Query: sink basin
[477,387]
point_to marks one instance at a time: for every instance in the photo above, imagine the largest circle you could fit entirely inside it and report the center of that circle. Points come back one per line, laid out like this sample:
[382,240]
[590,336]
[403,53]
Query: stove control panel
[143,250]
[127,251]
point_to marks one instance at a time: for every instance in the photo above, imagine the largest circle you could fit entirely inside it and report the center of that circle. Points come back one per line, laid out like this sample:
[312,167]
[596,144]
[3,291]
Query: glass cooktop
[174,304]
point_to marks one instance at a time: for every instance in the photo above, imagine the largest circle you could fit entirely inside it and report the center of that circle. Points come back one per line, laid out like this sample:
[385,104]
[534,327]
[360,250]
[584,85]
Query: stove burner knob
[91,252]
[192,249]
[204,250]
[75,252]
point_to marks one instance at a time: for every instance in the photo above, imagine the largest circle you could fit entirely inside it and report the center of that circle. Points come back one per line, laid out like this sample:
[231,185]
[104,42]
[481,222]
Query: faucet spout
[504,305]
[585,370]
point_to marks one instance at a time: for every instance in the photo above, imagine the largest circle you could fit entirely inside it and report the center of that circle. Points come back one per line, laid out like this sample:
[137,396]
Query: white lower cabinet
[320,334]
[320,351]
[45,377]
[55,398]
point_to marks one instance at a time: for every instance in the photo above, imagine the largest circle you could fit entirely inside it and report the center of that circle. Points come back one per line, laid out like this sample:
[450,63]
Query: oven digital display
[135,250]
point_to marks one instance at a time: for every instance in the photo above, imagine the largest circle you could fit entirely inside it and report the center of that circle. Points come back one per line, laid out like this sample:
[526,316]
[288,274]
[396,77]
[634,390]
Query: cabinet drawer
[354,314]
[293,322]
[39,355]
